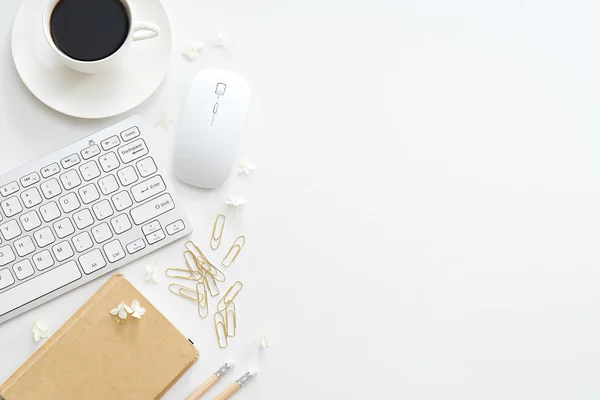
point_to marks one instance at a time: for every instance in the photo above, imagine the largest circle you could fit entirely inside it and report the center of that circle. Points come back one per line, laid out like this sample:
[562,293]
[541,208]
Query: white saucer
[91,96]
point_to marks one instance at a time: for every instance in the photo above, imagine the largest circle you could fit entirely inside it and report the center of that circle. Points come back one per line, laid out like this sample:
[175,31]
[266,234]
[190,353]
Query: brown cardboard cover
[92,357]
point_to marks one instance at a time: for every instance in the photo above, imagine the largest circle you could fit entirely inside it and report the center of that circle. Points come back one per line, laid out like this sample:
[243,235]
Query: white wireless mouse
[210,128]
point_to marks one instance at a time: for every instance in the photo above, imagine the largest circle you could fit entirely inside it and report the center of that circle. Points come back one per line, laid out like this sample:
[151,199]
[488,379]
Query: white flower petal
[148,269]
[36,335]
[128,309]
[136,315]
[41,325]
[121,306]
[114,311]
[122,314]
[156,277]
[265,340]
[135,304]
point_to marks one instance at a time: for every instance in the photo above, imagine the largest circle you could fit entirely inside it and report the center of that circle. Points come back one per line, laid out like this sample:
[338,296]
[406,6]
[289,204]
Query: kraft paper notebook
[93,357]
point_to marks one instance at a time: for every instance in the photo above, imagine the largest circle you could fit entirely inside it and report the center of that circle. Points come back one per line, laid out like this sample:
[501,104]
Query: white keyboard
[80,212]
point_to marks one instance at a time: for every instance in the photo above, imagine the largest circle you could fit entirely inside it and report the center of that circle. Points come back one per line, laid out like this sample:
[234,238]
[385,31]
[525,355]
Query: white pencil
[237,385]
[211,380]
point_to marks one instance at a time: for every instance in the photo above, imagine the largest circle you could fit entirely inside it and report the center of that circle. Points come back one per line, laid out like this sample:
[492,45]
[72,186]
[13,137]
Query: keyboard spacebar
[38,287]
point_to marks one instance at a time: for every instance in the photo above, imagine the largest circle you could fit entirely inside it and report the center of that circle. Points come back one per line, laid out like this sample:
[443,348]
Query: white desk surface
[423,220]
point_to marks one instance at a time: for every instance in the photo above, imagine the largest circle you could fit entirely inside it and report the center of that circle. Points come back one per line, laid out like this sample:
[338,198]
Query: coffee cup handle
[143,30]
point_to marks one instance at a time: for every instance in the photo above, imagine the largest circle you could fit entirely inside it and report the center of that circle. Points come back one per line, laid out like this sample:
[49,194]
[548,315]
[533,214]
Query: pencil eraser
[231,363]
[253,372]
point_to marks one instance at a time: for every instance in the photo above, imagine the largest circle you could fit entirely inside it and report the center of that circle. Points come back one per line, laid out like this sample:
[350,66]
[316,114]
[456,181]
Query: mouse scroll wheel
[220,89]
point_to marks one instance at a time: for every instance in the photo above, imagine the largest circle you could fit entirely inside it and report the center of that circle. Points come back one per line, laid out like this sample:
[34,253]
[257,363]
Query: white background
[424,219]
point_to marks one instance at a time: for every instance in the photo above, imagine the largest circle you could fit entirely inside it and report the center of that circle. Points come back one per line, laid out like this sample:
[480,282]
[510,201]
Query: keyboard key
[30,179]
[43,260]
[136,246]
[38,286]
[63,228]
[152,209]
[175,227]
[70,179]
[23,269]
[24,246]
[44,237]
[155,237]
[90,152]
[11,206]
[108,184]
[10,230]
[6,255]
[51,188]
[89,170]
[102,210]
[50,211]
[130,133]
[151,227]
[146,167]
[149,188]
[50,170]
[9,189]
[62,251]
[69,202]
[31,197]
[92,261]
[127,175]
[111,142]
[109,162]
[68,162]
[101,233]
[120,224]
[133,150]
[82,242]
[122,201]
[83,218]
[30,220]
[6,279]
[89,193]
[114,251]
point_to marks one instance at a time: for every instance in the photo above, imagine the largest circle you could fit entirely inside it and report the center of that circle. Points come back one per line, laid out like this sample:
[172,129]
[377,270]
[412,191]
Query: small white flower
[138,310]
[246,167]
[164,121]
[192,50]
[222,40]
[122,310]
[235,202]
[40,330]
[152,274]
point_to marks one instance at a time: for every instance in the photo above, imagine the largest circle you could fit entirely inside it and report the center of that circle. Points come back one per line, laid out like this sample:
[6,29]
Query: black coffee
[89,30]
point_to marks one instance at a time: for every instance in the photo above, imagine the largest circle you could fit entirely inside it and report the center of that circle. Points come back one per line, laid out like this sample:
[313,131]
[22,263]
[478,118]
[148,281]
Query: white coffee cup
[138,30]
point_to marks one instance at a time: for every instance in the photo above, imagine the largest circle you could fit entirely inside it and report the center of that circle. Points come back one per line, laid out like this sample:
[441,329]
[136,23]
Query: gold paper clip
[230,295]
[212,270]
[221,330]
[234,251]
[211,283]
[231,319]
[202,301]
[182,273]
[195,250]
[191,264]
[215,241]
[182,291]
